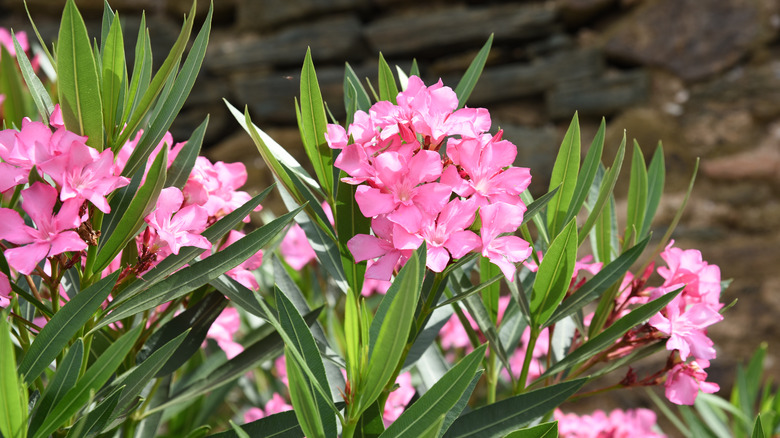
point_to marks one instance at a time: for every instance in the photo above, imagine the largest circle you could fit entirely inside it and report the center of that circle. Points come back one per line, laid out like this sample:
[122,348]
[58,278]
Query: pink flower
[280,367]
[85,174]
[5,291]
[684,381]
[687,329]
[243,272]
[399,398]
[253,414]
[276,404]
[176,227]
[503,251]
[53,233]
[295,248]
[213,186]
[632,423]
[702,280]
[365,247]
[224,329]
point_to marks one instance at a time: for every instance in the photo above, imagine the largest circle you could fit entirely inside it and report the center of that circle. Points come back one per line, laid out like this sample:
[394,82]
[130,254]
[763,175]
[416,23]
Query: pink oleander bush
[415,287]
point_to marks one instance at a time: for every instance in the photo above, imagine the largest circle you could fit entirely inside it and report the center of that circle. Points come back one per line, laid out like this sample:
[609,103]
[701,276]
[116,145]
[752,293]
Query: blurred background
[703,76]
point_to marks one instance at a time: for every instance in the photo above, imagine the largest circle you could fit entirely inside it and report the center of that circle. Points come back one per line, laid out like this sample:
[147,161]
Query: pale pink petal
[373,202]
[25,258]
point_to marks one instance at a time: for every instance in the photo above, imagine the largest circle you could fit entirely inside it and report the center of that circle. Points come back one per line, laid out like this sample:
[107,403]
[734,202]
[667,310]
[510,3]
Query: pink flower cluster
[413,193]
[632,423]
[275,405]
[685,320]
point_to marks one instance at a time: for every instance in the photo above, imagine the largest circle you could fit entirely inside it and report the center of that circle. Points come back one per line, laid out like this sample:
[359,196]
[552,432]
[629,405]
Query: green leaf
[713,417]
[94,378]
[11,87]
[554,274]
[312,123]
[56,334]
[239,294]
[603,340]
[594,287]
[349,223]
[370,424]
[500,418]
[656,174]
[197,319]
[307,401]
[637,195]
[590,167]
[302,399]
[362,100]
[34,85]
[136,379]
[171,103]
[758,429]
[544,430]
[281,425]
[114,76]
[141,107]
[64,378]
[438,400]
[173,262]
[133,218]
[470,78]
[564,173]
[265,348]
[389,340]
[13,394]
[470,291]
[199,273]
[91,424]
[142,75]
[605,191]
[182,165]
[77,78]
[537,206]
[388,90]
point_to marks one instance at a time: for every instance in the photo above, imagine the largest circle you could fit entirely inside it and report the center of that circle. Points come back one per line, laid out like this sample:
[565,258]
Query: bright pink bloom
[632,423]
[702,280]
[280,367]
[5,290]
[213,186]
[53,233]
[253,414]
[372,286]
[687,329]
[399,398]
[243,272]
[276,404]
[503,251]
[55,120]
[85,174]
[684,381]
[295,248]
[224,329]
[365,247]
[177,227]
[485,161]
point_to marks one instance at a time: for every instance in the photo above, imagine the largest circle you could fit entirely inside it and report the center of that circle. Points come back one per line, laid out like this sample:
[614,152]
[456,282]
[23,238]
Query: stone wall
[703,77]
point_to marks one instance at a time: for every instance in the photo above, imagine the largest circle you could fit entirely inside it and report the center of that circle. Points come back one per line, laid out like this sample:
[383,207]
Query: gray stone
[415,33]
[264,14]
[334,38]
[512,81]
[601,96]
[535,150]
[579,12]
[692,38]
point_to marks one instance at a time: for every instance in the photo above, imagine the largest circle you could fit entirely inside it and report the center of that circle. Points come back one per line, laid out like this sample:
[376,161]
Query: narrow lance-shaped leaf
[564,173]
[312,123]
[470,78]
[545,430]
[438,400]
[508,415]
[38,92]
[182,165]
[607,185]
[13,394]
[554,275]
[133,218]
[56,334]
[388,90]
[114,75]
[302,399]
[139,80]
[66,376]
[637,196]
[656,175]
[77,78]
[94,378]
[11,88]
[389,342]
[587,174]
[362,101]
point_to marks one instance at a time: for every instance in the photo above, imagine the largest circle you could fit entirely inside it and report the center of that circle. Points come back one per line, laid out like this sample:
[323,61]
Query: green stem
[529,352]
[89,266]
[491,375]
